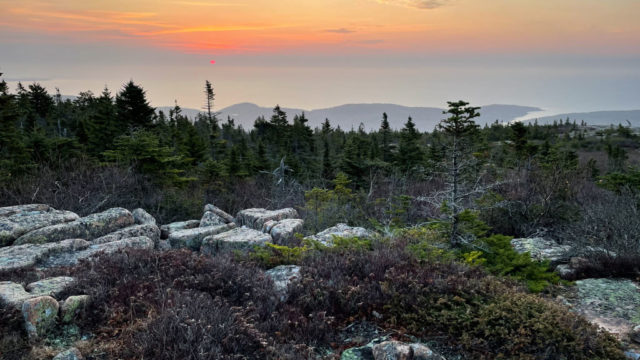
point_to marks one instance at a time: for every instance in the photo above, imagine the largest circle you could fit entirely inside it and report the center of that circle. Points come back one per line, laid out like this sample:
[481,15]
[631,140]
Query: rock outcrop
[51,286]
[149,230]
[23,256]
[88,228]
[211,219]
[214,209]
[72,306]
[16,209]
[40,315]
[238,238]
[192,238]
[282,276]
[166,230]
[542,249]
[18,224]
[341,230]
[255,218]
[141,217]
[69,354]
[283,230]
[395,350]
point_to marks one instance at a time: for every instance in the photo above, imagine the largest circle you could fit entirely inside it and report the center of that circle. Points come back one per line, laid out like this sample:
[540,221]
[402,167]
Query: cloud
[420,4]
[340,31]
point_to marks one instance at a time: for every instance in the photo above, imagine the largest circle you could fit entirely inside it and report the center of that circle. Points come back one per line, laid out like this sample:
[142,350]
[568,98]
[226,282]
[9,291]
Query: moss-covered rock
[40,315]
[72,307]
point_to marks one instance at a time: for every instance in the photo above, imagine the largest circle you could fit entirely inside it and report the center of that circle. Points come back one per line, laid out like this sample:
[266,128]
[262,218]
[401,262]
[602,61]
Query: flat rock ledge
[167,229]
[238,238]
[255,218]
[88,228]
[192,238]
[542,249]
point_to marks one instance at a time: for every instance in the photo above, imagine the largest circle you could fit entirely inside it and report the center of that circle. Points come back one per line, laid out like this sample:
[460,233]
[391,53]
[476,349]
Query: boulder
[166,230]
[141,217]
[149,230]
[51,287]
[395,350]
[227,218]
[72,258]
[70,354]
[341,230]
[238,238]
[211,219]
[256,218]
[192,238]
[72,307]
[284,230]
[282,276]
[12,295]
[24,256]
[88,227]
[364,352]
[564,271]
[40,314]
[635,334]
[16,225]
[542,249]
[163,245]
[16,209]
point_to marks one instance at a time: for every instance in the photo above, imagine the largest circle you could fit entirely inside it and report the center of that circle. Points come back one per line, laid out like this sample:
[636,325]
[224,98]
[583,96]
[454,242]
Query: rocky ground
[36,236]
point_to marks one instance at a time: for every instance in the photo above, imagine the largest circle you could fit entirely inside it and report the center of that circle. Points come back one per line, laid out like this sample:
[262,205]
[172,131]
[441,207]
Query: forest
[446,203]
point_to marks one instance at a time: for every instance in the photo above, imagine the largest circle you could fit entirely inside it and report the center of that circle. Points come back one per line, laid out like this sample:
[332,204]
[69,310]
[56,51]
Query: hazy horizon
[575,56]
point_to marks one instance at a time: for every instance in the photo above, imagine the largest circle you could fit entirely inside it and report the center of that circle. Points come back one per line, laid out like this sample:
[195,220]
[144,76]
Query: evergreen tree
[14,158]
[133,109]
[458,126]
[385,132]
[410,153]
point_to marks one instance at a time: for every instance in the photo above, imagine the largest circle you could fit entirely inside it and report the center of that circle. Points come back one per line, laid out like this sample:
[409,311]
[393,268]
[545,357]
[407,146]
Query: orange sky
[338,26]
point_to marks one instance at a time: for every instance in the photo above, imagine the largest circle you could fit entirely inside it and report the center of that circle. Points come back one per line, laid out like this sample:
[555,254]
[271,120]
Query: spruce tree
[385,132]
[410,153]
[133,109]
[14,158]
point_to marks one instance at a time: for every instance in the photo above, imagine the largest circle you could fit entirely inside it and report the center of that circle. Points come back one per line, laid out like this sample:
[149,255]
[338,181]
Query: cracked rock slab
[141,217]
[221,213]
[149,230]
[282,276]
[72,258]
[192,238]
[88,227]
[24,256]
[18,224]
[285,230]
[256,218]
[16,209]
[167,229]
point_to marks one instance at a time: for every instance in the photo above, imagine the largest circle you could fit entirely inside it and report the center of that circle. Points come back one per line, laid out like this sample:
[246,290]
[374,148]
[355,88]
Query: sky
[561,55]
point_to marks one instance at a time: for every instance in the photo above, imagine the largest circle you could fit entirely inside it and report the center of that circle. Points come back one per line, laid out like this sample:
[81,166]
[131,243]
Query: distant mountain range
[352,115]
[624,117]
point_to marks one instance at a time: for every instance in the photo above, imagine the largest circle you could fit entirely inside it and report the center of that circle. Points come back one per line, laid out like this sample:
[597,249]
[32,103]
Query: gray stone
[72,307]
[282,276]
[12,295]
[542,249]
[214,209]
[16,225]
[166,230]
[609,303]
[285,230]
[51,287]
[88,227]
[255,218]
[632,354]
[395,350]
[141,217]
[341,230]
[564,270]
[16,209]
[635,334]
[211,219]
[238,238]
[149,230]
[24,256]
[192,238]
[163,245]
[39,315]
[362,352]
[72,258]
[70,354]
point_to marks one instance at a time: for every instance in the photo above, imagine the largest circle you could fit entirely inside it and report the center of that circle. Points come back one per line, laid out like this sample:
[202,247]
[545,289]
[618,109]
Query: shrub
[272,255]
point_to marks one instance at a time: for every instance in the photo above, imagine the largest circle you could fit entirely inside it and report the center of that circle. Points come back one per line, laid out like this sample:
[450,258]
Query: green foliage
[618,181]
[272,255]
[500,258]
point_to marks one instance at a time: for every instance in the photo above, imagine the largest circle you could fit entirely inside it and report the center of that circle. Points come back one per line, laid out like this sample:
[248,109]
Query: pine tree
[210,96]
[458,127]
[133,109]
[14,158]
[410,153]
[385,131]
